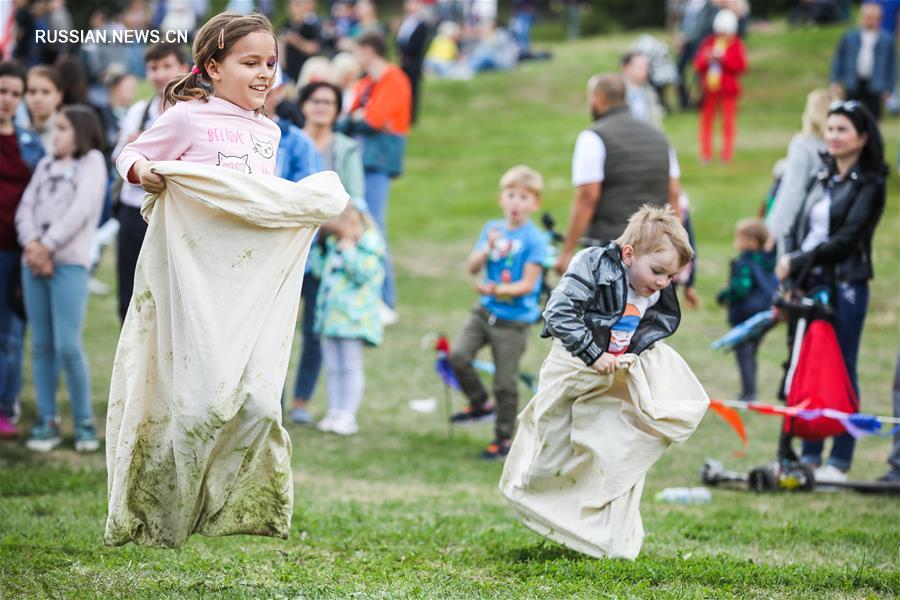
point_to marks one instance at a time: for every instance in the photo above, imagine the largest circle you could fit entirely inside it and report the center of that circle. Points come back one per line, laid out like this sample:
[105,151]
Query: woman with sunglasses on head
[830,243]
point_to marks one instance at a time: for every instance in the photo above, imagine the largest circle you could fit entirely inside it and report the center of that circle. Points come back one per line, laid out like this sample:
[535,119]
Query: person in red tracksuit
[720,60]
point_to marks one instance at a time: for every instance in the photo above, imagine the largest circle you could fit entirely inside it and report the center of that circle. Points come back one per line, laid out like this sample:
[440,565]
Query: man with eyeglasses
[864,66]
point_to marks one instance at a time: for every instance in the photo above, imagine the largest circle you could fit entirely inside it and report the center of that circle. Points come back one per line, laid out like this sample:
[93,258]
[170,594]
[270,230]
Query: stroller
[815,378]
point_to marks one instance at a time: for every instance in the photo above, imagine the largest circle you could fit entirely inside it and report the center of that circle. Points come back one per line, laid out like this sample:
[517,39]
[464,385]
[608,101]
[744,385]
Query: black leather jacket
[591,297]
[857,203]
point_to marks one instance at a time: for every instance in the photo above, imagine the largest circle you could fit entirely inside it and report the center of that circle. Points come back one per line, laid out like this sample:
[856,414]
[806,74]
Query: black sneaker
[472,415]
[496,450]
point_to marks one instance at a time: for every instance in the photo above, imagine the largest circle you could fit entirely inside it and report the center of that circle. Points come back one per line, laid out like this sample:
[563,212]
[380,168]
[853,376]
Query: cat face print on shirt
[243,150]
[264,146]
[238,163]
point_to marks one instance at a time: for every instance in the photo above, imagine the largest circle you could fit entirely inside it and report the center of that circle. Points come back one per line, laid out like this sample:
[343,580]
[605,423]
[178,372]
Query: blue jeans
[851,303]
[378,187]
[520,28]
[55,307]
[12,330]
[311,353]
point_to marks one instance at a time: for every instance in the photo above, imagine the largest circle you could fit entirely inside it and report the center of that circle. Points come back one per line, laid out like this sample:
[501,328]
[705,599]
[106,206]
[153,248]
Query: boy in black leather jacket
[619,297]
[575,472]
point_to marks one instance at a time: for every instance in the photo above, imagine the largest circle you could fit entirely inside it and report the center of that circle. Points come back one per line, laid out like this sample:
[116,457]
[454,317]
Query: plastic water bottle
[682,495]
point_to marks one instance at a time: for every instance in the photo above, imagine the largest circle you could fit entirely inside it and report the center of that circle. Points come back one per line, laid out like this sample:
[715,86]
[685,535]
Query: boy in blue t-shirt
[511,252]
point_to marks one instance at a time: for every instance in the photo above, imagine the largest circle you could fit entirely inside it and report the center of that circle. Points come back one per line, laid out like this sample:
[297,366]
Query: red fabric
[733,61]
[14,176]
[820,381]
[712,103]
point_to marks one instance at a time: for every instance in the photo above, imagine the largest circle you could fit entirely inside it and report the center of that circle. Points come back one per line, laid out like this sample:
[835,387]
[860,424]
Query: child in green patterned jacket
[350,263]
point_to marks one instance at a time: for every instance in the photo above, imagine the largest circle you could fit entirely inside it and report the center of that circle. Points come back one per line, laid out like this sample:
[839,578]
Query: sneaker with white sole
[44,438]
[86,439]
[389,316]
[97,287]
[829,474]
[345,424]
[473,416]
[326,425]
[301,416]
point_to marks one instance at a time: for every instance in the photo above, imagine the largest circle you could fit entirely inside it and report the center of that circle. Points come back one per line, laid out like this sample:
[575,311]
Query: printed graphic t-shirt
[622,330]
[513,249]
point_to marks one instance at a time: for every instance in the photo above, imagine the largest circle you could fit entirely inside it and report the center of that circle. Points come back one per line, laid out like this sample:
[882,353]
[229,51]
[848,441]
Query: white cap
[725,23]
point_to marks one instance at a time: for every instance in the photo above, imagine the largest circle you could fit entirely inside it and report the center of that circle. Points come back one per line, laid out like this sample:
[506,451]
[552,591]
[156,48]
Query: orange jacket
[387,102]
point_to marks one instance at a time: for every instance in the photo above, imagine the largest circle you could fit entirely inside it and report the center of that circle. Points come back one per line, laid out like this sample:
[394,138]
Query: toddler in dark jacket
[750,290]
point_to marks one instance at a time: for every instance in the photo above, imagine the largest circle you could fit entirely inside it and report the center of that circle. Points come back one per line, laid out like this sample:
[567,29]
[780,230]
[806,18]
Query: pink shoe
[7,429]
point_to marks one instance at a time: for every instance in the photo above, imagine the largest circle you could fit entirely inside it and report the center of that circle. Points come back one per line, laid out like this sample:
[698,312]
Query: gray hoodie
[61,206]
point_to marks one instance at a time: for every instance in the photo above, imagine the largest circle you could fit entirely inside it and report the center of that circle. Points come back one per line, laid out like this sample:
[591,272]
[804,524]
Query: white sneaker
[345,424]
[87,445]
[830,474]
[389,316]
[97,287]
[326,425]
[43,444]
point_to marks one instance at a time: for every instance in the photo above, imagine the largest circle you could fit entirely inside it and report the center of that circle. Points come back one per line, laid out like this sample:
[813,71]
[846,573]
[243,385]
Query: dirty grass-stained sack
[194,436]
[576,469]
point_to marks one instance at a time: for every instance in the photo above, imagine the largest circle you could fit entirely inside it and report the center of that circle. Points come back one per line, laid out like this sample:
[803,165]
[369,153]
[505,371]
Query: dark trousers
[851,303]
[132,229]
[870,100]
[745,353]
[685,59]
[507,342]
[414,72]
[311,352]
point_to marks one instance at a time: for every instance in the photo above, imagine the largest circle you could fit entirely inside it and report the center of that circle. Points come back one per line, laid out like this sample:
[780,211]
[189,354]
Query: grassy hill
[404,509]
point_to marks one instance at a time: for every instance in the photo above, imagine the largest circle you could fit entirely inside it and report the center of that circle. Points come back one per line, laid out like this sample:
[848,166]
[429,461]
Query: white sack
[193,433]
[585,442]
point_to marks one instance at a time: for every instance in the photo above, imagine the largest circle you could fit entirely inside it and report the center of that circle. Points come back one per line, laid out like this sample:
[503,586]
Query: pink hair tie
[195,70]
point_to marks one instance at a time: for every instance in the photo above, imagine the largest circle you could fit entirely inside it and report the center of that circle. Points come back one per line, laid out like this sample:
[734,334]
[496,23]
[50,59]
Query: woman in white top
[830,243]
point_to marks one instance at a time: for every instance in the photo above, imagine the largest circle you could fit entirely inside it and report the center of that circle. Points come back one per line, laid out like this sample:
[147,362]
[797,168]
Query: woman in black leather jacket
[830,243]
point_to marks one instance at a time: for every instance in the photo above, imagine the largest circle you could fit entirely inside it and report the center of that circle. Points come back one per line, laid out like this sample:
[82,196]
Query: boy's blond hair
[652,229]
[754,229]
[524,177]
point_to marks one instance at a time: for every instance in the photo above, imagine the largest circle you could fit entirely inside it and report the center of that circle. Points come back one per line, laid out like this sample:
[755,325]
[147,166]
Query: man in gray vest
[619,164]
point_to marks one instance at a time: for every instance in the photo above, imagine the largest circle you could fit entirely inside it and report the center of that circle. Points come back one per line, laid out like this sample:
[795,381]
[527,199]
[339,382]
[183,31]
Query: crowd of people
[68,115]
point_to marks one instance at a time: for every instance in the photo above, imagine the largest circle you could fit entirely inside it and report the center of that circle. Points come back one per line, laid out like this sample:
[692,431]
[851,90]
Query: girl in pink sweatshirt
[55,224]
[215,111]
[213,116]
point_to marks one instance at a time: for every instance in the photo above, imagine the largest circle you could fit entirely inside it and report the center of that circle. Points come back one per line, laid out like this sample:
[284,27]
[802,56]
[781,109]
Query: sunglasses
[849,105]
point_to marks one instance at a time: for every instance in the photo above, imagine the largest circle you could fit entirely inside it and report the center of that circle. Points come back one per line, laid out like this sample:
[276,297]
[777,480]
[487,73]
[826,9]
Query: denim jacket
[30,148]
[297,156]
[591,297]
[884,71]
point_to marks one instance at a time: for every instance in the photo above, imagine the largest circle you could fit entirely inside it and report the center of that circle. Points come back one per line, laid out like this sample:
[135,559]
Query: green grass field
[405,510]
